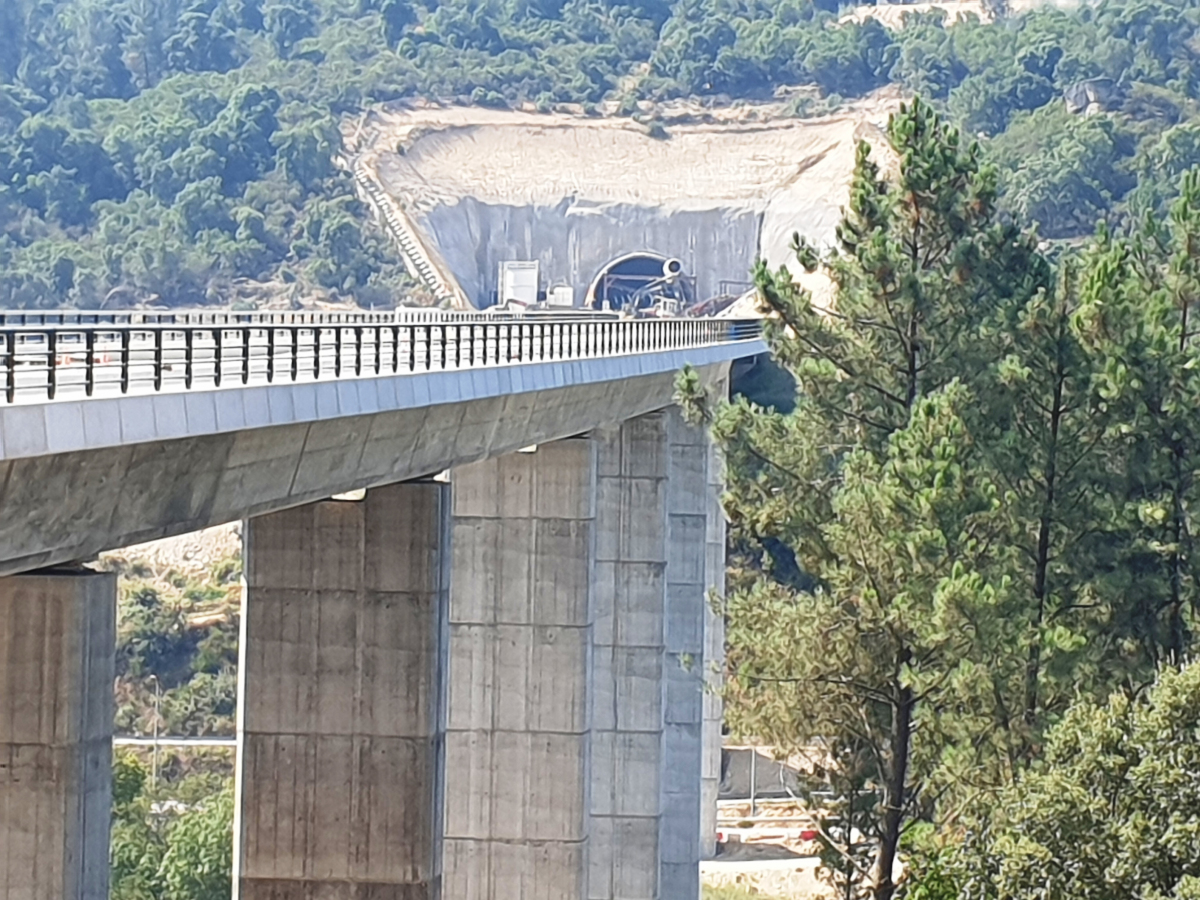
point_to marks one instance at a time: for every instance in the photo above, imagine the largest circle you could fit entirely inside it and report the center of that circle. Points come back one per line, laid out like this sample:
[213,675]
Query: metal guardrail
[49,356]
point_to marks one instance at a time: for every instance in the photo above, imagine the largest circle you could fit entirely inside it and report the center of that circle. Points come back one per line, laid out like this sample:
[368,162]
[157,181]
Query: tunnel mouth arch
[638,281]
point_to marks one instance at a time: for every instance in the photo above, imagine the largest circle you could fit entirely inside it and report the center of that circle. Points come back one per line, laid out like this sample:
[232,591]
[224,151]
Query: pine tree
[1046,437]
[885,645]
[1138,313]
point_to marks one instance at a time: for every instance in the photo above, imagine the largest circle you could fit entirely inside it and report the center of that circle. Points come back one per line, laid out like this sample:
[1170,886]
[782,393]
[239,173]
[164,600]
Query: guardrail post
[189,356]
[270,354]
[126,336]
[89,376]
[51,363]
[358,349]
[10,366]
[158,358]
[246,355]
[337,351]
[218,353]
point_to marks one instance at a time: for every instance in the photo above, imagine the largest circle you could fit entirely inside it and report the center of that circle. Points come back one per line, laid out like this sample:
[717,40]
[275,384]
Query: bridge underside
[69,506]
[489,688]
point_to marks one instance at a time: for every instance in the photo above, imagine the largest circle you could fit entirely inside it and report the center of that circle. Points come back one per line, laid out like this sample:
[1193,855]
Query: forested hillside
[166,148]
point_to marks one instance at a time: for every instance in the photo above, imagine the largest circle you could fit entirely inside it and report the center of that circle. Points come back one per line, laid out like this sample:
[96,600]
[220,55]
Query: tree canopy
[979,507]
[178,149]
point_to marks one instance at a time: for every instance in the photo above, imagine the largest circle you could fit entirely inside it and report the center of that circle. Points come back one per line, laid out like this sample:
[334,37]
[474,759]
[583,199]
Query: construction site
[520,208]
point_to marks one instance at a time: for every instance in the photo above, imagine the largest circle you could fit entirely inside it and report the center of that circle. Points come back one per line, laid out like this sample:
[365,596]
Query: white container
[561,296]
[518,282]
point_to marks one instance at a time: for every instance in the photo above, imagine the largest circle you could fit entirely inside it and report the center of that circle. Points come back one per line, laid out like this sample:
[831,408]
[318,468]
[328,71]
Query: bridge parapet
[51,356]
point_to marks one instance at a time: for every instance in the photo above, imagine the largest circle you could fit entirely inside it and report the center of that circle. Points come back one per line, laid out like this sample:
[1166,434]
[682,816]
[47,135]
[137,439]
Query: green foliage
[199,856]
[178,636]
[174,844]
[877,487]
[980,507]
[116,117]
[733,893]
[1112,812]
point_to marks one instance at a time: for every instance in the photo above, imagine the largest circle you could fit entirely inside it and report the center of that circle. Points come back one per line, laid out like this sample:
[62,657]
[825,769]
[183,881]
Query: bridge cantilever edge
[496,685]
[153,424]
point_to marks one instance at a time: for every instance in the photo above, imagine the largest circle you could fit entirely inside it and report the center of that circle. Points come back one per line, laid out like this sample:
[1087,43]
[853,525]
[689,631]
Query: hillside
[187,151]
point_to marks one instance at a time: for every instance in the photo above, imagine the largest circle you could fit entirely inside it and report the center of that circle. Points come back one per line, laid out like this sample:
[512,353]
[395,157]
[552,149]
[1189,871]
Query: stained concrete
[629,659]
[517,737]
[341,719]
[714,648]
[685,660]
[72,505]
[57,639]
[574,239]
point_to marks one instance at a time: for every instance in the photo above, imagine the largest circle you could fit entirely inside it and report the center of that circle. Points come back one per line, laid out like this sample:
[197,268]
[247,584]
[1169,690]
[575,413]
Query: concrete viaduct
[484,680]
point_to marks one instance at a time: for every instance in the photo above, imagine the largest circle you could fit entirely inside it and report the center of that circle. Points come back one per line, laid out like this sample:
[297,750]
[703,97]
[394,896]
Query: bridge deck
[146,425]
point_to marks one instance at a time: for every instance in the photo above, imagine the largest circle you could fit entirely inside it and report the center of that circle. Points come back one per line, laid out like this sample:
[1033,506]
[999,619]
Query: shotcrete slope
[719,190]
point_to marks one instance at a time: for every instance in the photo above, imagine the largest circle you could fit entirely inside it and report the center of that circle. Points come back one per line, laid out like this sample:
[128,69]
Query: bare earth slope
[722,188]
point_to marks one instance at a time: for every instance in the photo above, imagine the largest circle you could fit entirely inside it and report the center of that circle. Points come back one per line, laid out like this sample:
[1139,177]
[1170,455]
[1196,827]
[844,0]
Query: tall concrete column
[341,713]
[517,738]
[714,656]
[685,660]
[628,662]
[57,653]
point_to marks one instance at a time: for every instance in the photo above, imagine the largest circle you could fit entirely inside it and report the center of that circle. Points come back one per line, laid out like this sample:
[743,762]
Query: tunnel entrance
[641,282]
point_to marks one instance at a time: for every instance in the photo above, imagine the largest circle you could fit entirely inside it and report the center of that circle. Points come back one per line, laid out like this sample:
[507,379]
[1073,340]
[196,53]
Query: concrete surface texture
[340,715]
[142,468]
[57,639]
[714,646]
[685,665]
[652,646]
[628,759]
[517,735]
[718,192]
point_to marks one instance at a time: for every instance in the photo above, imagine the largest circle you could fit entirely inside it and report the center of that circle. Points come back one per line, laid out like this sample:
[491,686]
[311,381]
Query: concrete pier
[517,740]
[685,661]
[629,658]
[57,648]
[660,539]
[714,655]
[341,708]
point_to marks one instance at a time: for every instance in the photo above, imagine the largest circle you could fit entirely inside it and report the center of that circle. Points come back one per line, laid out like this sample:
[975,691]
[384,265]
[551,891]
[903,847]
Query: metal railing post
[158,358]
[10,366]
[51,363]
[218,353]
[89,377]
[189,355]
[125,339]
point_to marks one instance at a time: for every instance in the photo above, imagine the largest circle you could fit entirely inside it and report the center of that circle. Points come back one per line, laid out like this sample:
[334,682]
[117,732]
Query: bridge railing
[24,318]
[72,358]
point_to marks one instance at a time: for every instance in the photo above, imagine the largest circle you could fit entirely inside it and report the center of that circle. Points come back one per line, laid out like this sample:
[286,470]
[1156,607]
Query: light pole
[154,751]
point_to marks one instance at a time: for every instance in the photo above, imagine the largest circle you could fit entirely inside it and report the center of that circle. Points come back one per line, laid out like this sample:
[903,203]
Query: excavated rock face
[574,193]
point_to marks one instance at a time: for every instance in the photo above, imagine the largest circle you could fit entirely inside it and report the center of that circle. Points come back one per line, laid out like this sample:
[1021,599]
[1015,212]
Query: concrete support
[660,548]
[57,646]
[341,713]
[714,657]
[517,740]
[685,660]
[628,662]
